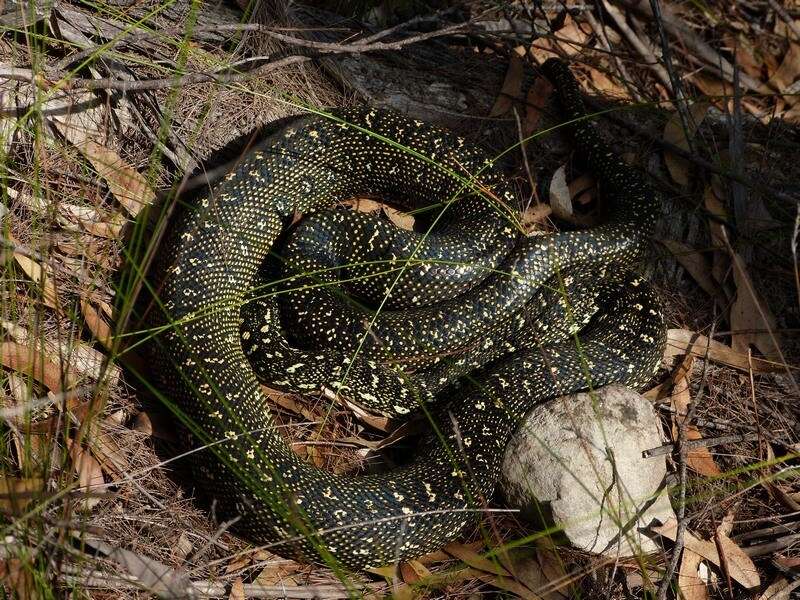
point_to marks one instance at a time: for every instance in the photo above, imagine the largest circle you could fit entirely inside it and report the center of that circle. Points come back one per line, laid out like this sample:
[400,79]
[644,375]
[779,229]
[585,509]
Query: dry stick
[786,17]
[640,47]
[683,452]
[702,443]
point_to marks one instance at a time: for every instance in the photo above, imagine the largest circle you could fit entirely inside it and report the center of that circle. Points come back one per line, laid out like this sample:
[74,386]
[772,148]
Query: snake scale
[512,315]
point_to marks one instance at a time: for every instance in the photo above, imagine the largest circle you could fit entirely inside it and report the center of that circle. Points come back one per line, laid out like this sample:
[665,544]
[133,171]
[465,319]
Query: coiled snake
[543,316]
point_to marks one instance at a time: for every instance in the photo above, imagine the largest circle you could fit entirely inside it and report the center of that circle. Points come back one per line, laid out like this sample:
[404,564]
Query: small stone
[577,462]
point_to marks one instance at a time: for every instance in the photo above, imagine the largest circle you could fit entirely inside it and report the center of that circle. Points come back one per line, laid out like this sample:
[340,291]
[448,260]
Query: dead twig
[702,443]
[61,80]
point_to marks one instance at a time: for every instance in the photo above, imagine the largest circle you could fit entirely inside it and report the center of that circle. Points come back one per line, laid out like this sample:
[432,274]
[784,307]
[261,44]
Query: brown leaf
[571,38]
[787,73]
[109,454]
[364,205]
[697,266]
[512,87]
[534,215]
[39,274]
[412,571]
[96,324]
[28,361]
[739,565]
[683,341]
[719,237]
[675,133]
[540,570]
[607,85]
[16,494]
[90,475]
[697,459]
[560,197]
[82,129]
[127,185]
[780,589]
[471,558]
[400,219]
[20,578]
[692,587]
[752,321]
[741,568]
[508,584]
[237,590]
[535,102]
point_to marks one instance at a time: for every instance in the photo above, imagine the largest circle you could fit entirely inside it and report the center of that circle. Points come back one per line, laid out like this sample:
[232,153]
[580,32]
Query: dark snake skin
[515,292]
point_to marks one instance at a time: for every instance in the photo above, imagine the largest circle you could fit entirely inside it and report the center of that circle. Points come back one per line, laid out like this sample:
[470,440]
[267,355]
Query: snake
[537,316]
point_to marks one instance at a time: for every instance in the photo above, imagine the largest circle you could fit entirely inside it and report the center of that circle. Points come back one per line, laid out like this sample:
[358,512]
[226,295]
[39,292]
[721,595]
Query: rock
[558,469]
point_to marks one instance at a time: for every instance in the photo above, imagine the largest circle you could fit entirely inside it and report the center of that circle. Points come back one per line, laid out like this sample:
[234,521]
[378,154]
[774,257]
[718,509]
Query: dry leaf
[787,73]
[780,589]
[674,133]
[560,198]
[739,565]
[90,475]
[28,361]
[82,129]
[533,216]
[412,571]
[96,324]
[571,38]
[39,274]
[364,205]
[16,494]
[512,87]
[19,577]
[399,218]
[237,590]
[719,237]
[608,86]
[471,558]
[697,266]
[690,583]
[535,102]
[127,185]
[110,455]
[538,569]
[752,321]
[507,584]
[155,577]
[683,341]
[698,459]
[741,568]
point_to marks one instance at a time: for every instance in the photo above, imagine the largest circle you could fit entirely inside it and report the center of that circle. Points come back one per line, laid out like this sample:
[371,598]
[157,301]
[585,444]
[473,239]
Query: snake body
[219,333]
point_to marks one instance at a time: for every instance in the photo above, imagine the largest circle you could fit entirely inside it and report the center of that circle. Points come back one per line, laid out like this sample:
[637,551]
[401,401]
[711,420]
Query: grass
[72,449]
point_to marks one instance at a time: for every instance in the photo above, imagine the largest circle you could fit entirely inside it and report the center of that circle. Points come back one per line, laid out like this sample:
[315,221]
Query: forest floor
[108,111]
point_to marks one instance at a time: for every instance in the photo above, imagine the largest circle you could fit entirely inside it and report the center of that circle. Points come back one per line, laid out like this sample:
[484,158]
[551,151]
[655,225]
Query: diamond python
[519,297]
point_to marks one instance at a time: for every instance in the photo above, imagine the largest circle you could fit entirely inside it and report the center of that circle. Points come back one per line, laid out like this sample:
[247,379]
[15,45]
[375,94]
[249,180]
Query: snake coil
[209,267]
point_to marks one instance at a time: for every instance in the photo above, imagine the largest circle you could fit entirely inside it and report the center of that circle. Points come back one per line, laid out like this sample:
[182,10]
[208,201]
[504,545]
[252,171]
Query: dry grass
[117,489]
